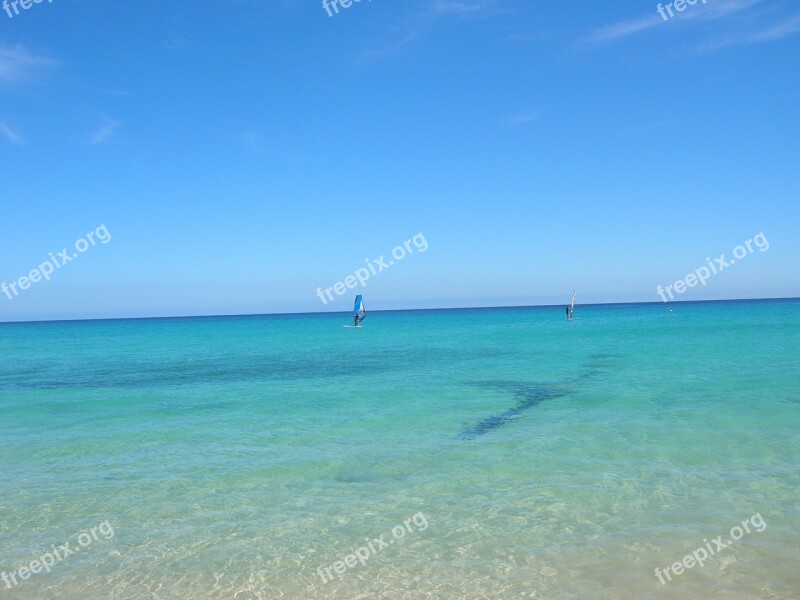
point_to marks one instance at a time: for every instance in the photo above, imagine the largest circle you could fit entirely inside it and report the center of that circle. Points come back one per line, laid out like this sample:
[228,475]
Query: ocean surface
[519,455]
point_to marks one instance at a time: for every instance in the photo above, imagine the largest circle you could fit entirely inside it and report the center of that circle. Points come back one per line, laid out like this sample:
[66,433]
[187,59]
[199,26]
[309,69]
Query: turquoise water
[234,457]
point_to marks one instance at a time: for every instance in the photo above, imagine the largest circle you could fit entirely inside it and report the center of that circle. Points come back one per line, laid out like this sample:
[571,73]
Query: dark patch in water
[116,372]
[528,395]
[190,406]
[597,365]
[588,375]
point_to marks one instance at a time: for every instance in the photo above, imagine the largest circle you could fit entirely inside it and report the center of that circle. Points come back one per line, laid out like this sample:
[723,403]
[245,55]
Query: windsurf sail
[359,310]
[573,302]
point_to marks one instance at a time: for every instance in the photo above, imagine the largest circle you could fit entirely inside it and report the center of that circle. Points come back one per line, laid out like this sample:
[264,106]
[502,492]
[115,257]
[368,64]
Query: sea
[454,454]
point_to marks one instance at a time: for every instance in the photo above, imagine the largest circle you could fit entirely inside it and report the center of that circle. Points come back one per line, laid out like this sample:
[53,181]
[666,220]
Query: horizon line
[388,310]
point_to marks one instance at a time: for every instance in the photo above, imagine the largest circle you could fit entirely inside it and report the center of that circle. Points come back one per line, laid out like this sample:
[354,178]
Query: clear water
[233,457]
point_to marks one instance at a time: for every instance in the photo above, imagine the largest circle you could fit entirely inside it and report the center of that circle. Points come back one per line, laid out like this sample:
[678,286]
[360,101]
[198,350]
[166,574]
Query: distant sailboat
[359,312]
[571,308]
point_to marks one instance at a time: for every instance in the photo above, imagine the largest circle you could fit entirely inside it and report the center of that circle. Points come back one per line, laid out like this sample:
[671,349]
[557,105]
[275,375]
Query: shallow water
[234,457]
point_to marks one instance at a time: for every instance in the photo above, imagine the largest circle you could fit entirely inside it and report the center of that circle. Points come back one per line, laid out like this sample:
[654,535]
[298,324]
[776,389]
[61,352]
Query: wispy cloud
[177,42]
[623,29]
[105,132]
[436,12]
[781,30]
[111,92]
[252,141]
[451,7]
[788,27]
[17,64]
[519,120]
[719,9]
[10,134]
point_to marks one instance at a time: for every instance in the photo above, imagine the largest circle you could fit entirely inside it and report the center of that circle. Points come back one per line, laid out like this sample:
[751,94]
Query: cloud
[437,11]
[522,119]
[623,29]
[10,134]
[252,141]
[781,30]
[112,92]
[699,12]
[177,42]
[18,65]
[788,27]
[104,132]
[722,9]
[450,7]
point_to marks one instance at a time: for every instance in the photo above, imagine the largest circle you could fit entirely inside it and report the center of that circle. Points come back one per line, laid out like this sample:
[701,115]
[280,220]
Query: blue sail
[358,308]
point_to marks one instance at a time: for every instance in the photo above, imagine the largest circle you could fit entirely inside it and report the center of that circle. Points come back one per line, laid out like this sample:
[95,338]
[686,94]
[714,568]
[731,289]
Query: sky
[243,156]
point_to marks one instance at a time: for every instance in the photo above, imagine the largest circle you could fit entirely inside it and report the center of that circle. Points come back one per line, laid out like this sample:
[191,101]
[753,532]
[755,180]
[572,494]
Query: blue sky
[244,153]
